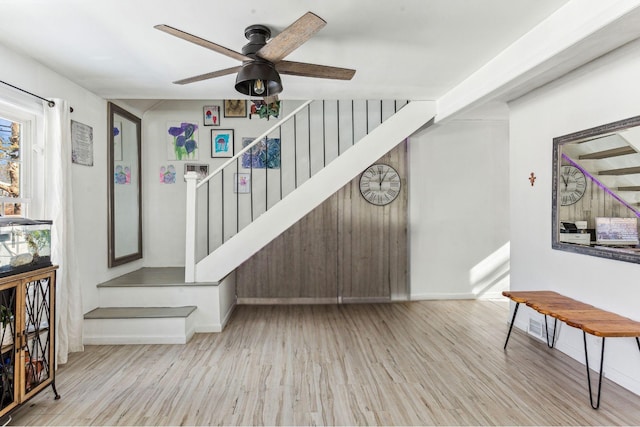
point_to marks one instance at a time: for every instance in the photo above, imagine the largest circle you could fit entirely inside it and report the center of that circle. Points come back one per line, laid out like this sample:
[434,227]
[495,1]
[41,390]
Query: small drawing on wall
[182,141]
[122,175]
[202,170]
[265,154]
[242,183]
[167,174]
[222,143]
[211,115]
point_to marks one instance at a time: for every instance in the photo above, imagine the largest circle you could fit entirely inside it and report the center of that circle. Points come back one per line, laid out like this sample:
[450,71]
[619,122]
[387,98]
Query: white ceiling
[401,49]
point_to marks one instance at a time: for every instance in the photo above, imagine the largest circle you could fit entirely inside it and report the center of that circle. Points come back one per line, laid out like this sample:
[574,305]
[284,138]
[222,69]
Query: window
[16,128]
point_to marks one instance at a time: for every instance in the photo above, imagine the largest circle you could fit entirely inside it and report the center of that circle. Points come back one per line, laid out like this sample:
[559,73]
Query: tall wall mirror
[596,191]
[125,189]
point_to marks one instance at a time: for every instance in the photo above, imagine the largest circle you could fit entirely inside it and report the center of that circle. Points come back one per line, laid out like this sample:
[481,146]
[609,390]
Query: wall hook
[532,178]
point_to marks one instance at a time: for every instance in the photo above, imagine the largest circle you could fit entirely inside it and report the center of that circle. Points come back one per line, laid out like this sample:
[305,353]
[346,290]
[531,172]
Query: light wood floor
[419,363]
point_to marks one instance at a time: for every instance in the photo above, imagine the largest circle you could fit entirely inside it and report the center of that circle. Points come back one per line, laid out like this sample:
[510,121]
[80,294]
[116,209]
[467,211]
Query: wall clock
[572,183]
[380,184]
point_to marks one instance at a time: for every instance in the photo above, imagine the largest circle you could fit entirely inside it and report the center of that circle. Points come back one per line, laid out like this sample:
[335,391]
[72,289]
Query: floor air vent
[535,328]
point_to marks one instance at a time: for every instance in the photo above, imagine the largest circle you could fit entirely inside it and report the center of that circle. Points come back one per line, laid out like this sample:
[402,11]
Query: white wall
[89,183]
[600,92]
[459,210]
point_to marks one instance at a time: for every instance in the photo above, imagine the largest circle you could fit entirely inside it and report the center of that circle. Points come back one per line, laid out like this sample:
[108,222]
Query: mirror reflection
[125,219]
[596,191]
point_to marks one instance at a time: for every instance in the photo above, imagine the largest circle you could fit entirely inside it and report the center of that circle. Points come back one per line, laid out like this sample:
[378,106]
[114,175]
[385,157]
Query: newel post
[190,239]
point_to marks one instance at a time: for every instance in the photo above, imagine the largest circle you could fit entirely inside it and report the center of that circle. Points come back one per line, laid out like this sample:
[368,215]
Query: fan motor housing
[257,36]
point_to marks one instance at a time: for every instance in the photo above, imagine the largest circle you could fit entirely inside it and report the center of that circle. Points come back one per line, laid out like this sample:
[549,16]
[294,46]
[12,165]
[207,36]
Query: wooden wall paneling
[595,203]
[300,264]
[346,248]
[398,233]
[344,227]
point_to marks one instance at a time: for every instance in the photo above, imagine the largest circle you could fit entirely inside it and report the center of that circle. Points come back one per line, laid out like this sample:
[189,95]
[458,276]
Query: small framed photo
[242,183]
[222,141]
[211,114]
[235,108]
[201,169]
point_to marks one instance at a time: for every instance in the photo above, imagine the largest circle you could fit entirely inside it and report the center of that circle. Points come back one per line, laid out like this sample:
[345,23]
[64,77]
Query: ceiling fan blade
[211,75]
[292,37]
[202,42]
[314,70]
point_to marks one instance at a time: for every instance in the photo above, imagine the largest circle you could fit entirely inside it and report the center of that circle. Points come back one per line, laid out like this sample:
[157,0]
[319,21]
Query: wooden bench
[590,319]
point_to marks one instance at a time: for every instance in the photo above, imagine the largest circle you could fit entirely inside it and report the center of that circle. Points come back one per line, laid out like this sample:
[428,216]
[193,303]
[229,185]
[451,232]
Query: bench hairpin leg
[638,341]
[513,319]
[586,359]
[555,328]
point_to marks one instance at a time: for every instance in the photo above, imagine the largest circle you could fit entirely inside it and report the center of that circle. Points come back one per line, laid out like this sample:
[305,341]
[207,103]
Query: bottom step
[139,325]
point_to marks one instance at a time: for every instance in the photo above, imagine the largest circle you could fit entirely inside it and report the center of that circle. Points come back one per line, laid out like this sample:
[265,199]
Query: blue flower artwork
[265,154]
[183,141]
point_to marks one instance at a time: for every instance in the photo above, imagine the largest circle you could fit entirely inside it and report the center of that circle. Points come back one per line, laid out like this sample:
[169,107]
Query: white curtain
[58,207]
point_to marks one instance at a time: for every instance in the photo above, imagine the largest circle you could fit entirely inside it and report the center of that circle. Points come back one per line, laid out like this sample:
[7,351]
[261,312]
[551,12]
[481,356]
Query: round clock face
[380,184]
[572,183]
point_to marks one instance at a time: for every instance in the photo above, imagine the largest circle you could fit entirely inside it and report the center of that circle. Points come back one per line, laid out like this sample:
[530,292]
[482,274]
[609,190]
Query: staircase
[323,145]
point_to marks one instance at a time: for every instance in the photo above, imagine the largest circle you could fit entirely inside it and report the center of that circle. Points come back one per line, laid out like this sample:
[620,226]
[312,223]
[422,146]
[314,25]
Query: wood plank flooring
[415,363]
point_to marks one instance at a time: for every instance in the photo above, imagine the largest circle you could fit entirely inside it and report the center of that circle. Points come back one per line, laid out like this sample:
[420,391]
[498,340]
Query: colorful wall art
[242,183]
[211,115]
[122,175]
[264,110]
[222,143]
[167,174]
[265,154]
[182,142]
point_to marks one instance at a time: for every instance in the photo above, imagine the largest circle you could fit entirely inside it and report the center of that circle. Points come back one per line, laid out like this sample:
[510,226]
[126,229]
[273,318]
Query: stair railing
[265,171]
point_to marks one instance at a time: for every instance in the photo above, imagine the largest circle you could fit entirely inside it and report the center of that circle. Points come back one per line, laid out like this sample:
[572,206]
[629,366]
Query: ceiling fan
[262,61]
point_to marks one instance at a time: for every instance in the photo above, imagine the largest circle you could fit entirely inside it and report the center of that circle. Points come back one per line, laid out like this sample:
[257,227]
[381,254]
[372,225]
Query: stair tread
[139,312]
[152,276]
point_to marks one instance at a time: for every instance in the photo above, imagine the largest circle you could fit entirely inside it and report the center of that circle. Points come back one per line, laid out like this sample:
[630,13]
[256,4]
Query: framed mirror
[125,189]
[596,191]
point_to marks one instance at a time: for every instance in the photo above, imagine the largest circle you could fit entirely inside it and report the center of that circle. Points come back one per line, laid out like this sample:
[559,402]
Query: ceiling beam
[577,33]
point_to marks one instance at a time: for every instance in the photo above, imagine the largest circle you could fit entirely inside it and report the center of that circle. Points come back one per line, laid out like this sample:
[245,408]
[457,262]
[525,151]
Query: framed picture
[242,183]
[263,155]
[182,141]
[222,143]
[211,114]
[235,108]
[201,169]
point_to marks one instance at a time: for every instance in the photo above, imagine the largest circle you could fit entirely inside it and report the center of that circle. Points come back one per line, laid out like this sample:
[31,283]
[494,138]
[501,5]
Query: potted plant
[6,319]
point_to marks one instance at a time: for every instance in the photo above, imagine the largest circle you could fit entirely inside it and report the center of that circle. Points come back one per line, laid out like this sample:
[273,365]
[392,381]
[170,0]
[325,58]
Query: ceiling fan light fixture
[258,86]
[258,78]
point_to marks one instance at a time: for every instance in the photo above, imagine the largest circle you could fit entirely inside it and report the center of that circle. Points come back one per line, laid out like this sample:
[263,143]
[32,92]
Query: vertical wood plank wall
[345,250]
[595,203]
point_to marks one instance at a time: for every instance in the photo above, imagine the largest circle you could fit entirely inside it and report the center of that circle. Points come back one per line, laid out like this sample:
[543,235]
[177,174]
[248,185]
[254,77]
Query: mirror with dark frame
[596,191]
[125,189]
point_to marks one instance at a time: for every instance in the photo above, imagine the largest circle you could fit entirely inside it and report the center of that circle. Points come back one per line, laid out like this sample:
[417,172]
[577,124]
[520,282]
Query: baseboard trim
[286,301]
[436,296]
[128,340]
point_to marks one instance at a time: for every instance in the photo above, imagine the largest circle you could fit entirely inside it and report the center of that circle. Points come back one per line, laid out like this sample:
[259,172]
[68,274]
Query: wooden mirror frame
[587,134]
[113,259]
